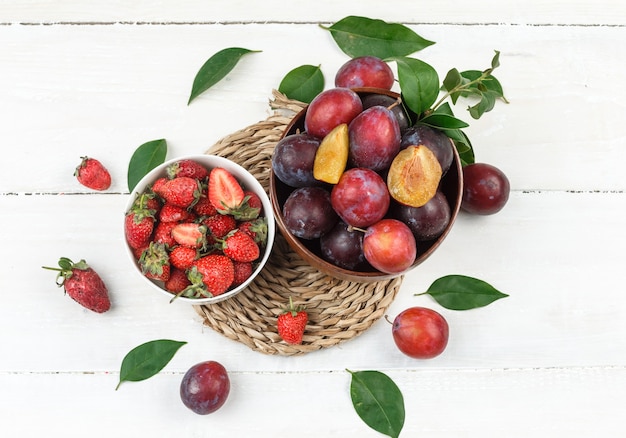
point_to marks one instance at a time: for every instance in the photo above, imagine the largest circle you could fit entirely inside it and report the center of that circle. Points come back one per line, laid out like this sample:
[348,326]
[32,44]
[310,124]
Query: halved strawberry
[225,192]
[190,234]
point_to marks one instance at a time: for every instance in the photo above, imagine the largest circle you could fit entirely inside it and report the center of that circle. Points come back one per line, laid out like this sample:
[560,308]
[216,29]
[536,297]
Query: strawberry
[155,263]
[92,174]
[158,185]
[253,200]
[163,234]
[215,271]
[291,323]
[178,281]
[183,257]
[138,251]
[173,213]
[204,207]
[256,228]
[243,271]
[225,192]
[182,192]
[188,168]
[190,234]
[82,284]
[240,247]
[219,225]
[138,227]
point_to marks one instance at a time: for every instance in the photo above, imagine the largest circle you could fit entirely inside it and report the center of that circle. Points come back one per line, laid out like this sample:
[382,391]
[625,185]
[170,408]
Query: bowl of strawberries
[199,228]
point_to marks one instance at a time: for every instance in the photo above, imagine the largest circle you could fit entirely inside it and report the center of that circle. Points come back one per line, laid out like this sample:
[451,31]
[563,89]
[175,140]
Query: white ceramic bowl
[248,182]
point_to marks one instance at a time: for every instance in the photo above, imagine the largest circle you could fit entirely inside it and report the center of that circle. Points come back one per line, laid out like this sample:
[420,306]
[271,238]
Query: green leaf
[452,80]
[462,144]
[303,83]
[443,121]
[460,292]
[215,69]
[361,36]
[419,83]
[378,401]
[495,61]
[485,104]
[146,360]
[145,158]
[489,83]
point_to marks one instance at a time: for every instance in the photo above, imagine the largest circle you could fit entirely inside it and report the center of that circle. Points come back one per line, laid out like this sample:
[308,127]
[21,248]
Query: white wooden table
[100,78]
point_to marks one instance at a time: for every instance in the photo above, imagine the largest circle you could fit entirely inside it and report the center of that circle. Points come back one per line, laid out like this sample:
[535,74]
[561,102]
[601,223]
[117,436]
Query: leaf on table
[146,360]
[216,68]
[303,83]
[378,401]
[460,292]
[361,36]
[145,158]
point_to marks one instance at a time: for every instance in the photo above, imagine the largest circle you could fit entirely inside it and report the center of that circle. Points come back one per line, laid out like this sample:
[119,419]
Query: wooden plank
[69,91]
[574,402]
[564,306]
[607,12]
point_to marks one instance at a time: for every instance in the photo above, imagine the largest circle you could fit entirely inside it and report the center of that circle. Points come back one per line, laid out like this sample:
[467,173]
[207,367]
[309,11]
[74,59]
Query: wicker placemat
[338,310]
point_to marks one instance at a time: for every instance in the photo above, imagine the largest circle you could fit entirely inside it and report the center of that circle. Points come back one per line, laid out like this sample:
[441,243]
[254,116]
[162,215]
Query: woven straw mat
[338,310]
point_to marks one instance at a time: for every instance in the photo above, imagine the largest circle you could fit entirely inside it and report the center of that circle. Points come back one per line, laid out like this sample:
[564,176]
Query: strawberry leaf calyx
[66,269]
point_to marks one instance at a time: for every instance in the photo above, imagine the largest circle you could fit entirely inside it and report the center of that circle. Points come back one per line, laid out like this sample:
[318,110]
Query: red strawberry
[138,251]
[155,263]
[178,281]
[291,323]
[173,213]
[188,168]
[253,200]
[163,234]
[82,284]
[182,192]
[158,185]
[243,271]
[92,174]
[215,271]
[138,227]
[257,229]
[183,257]
[204,207]
[219,225]
[240,247]
[190,234]
[225,192]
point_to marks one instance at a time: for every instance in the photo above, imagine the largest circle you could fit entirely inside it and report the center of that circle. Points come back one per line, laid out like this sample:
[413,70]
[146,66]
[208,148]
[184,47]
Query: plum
[365,71]
[205,387]
[343,247]
[360,198]
[428,221]
[485,189]
[420,333]
[389,102]
[308,213]
[331,108]
[293,159]
[374,138]
[434,139]
[389,246]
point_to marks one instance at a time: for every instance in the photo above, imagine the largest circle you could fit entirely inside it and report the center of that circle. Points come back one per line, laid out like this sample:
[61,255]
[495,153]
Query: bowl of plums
[359,191]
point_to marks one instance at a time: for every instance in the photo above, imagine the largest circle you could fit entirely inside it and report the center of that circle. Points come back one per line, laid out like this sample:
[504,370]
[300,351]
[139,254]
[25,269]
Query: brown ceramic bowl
[451,185]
